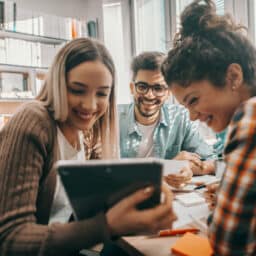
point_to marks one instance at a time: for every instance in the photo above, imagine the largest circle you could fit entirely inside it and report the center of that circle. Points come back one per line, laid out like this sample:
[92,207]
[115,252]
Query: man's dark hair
[147,61]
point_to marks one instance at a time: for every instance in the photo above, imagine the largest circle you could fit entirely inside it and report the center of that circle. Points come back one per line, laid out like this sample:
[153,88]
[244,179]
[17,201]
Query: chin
[84,126]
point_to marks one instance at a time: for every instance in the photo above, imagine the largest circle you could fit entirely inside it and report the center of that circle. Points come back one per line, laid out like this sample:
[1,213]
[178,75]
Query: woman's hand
[180,179]
[124,217]
[210,195]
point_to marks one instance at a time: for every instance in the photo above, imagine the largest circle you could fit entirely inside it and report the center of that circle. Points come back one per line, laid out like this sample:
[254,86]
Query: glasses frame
[150,87]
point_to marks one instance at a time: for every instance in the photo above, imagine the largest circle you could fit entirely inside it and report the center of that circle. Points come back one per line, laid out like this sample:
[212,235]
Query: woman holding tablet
[78,92]
[212,72]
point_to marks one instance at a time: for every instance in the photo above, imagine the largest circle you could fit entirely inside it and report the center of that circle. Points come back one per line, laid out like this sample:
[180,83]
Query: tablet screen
[96,185]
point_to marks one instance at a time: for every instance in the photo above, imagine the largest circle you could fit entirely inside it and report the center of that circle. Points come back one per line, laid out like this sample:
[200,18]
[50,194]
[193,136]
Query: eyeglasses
[157,89]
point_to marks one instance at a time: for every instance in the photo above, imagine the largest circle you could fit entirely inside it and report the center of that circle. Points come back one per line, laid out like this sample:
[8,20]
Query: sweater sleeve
[26,143]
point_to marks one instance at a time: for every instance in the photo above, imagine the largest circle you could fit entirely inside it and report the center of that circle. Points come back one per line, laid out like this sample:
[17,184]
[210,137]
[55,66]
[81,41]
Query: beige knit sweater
[27,152]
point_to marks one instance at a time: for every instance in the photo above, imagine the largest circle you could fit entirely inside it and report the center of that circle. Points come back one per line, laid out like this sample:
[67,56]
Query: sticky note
[192,245]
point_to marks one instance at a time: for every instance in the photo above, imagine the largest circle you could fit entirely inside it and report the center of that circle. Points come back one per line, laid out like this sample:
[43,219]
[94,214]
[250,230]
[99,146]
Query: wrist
[112,233]
[208,167]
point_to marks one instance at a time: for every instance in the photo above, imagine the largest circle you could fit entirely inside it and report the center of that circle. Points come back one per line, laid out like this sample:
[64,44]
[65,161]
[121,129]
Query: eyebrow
[139,81]
[186,97]
[85,85]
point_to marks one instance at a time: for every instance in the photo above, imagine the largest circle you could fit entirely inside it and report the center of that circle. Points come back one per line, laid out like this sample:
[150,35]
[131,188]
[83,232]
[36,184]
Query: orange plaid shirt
[232,230]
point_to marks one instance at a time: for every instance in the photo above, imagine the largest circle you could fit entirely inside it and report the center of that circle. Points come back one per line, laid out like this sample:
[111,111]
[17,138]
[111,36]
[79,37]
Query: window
[118,43]
[181,4]
[220,6]
[150,25]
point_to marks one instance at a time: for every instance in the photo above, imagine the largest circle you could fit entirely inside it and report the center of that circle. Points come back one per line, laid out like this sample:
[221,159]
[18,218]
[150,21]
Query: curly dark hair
[206,45]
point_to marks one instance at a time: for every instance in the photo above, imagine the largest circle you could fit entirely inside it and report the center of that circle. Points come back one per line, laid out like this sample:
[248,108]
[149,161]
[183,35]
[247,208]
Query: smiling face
[147,106]
[88,91]
[212,105]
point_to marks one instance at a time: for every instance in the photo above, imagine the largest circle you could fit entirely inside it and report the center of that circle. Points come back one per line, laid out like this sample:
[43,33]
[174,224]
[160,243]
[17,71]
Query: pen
[208,183]
[174,232]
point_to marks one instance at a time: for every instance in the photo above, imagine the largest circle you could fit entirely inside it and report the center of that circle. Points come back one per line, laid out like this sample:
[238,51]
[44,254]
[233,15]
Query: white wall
[74,8]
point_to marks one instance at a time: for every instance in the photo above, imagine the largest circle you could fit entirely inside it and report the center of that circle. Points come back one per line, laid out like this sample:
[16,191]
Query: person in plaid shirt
[212,71]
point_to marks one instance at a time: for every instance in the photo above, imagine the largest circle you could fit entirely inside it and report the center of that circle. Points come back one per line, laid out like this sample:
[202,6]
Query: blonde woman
[34,212]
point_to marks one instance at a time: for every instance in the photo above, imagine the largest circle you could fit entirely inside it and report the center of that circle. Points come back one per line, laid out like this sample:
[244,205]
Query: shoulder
[124,109]
[174,108]
[242,126]
[32,118]
[175,111]
[246,112]
[32,112]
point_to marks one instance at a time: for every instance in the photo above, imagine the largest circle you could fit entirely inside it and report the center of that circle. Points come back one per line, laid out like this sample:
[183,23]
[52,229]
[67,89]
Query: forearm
[208,167]
[31,239]
[71,237]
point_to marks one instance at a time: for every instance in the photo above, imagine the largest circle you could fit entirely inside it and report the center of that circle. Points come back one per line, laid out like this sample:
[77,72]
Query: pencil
[207,184]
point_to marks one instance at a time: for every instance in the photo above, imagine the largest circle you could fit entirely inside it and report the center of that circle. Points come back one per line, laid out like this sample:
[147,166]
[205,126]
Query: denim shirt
[173,133]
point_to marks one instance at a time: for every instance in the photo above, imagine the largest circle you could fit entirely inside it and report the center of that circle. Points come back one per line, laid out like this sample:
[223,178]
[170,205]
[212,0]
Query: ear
[132,88]
[234,76]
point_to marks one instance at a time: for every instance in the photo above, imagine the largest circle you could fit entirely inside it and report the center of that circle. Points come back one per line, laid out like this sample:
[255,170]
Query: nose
[150,94]
[89,102]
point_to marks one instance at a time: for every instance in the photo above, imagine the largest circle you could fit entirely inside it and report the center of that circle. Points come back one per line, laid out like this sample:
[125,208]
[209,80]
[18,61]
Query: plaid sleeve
[233,227]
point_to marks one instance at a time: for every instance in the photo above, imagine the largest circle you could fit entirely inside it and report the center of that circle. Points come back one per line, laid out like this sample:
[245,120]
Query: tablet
[94,186]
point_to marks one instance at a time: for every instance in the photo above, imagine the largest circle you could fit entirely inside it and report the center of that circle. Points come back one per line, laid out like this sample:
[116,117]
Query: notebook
[173,166]
[192,245]
[190,199]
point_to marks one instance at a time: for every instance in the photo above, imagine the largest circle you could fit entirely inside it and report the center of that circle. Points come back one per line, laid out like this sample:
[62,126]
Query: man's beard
[139,106]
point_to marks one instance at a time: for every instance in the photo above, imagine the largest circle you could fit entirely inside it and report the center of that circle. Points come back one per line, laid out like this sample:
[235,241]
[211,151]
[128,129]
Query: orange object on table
[174,232]
[192,245]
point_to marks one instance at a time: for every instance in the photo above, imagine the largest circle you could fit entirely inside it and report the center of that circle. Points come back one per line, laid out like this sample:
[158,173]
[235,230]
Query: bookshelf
[31,38]
[29,41]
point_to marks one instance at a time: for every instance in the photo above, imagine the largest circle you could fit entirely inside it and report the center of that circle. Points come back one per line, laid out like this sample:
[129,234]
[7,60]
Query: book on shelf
[4,118]
[16,19]
[2,6]
[13,82]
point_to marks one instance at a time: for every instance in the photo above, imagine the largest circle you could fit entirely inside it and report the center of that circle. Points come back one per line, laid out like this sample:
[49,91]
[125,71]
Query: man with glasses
[150,127]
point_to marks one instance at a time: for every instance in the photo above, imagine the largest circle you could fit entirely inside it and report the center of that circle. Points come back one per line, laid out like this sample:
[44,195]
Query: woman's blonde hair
[54,90]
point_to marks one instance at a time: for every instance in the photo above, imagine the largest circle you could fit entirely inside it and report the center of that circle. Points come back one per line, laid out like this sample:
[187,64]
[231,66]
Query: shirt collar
[164,116]
[133,127]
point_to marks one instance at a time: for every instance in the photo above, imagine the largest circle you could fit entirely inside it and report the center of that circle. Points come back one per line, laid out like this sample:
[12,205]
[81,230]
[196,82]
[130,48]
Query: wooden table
[161,246]
[154,246]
